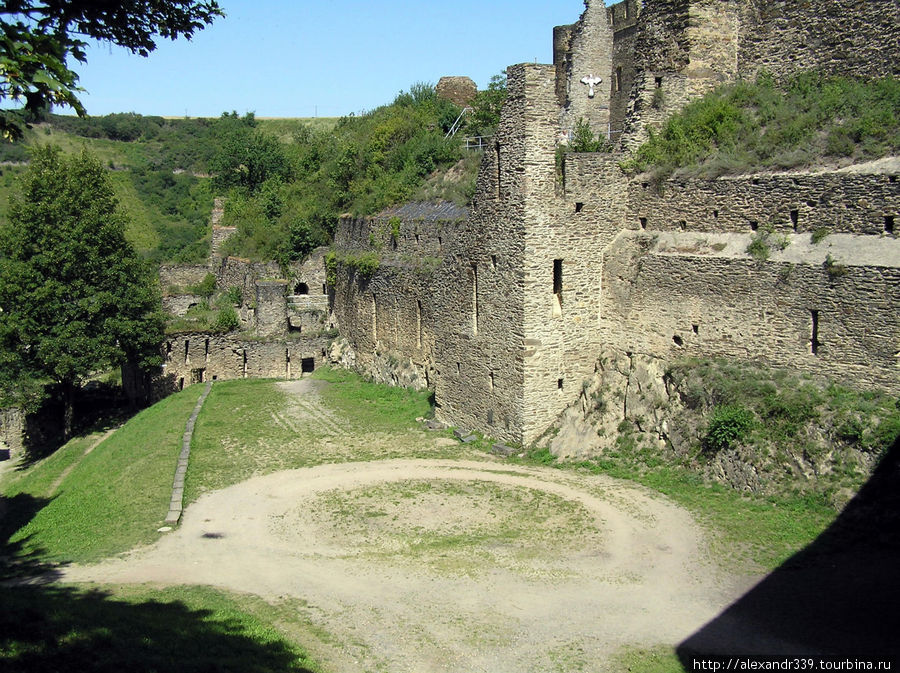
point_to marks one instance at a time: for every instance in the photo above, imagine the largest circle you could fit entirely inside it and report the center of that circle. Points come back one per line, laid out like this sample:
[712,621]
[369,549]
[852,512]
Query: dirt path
[441,565]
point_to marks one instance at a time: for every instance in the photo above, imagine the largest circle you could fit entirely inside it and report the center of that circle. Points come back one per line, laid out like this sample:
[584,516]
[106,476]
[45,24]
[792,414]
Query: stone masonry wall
[801,202]
[590,53]
[479,287]
[197,357]
[860,37]
[692,299]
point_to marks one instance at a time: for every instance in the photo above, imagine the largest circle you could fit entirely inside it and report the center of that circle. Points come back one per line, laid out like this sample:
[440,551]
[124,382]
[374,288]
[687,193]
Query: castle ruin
[504,310]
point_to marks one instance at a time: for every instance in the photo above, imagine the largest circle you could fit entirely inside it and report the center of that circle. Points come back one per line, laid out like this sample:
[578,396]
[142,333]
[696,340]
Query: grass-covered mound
[808,120]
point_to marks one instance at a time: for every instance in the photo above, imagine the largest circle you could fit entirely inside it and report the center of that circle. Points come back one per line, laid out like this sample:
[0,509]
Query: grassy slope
[116,497]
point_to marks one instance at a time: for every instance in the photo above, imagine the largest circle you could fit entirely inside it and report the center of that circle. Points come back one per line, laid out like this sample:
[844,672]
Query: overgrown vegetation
[764,125]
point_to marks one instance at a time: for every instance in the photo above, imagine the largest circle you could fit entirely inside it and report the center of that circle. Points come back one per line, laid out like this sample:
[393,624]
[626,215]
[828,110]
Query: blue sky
[295,58]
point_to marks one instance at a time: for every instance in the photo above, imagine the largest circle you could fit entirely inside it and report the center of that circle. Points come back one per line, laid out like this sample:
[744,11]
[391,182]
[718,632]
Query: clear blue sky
[296,58]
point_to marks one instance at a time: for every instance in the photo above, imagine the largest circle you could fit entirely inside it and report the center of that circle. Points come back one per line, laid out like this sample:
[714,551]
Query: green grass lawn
[115,498]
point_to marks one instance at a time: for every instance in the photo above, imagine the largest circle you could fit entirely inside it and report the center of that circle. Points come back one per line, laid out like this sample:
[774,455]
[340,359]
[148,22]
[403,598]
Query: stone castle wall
[860,38]
[555,265]
[801,202]
[197,357]
[676,296]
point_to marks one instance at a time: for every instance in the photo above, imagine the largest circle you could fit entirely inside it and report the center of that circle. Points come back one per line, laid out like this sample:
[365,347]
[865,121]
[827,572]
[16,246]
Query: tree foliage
[38,37]
[74,296]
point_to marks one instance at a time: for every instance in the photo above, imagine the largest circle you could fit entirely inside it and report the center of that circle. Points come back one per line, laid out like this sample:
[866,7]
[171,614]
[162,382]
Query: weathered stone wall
[589,53]
[859,38]
[624,18]
[675,295]
[181,275]
[800,202]
[195,357]
[180,303]
[12,431]
[480,286]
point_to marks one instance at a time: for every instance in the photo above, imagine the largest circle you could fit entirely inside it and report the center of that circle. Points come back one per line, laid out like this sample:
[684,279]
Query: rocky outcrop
[638,409]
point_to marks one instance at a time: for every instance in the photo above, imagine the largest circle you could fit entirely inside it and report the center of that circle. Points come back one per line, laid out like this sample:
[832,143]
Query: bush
[729,425]
[227,320]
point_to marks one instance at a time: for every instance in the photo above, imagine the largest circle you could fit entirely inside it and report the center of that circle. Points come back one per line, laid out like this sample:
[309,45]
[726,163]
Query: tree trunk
[68,408]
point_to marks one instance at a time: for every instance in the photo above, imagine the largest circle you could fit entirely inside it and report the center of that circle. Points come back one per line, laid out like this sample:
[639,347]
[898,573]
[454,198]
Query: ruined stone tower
[556,263]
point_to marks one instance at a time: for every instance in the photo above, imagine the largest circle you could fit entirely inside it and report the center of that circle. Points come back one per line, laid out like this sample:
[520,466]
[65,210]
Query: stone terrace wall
[181,275]
[861,37]
[197,357]
[422,229]
[669,302]
[841,202]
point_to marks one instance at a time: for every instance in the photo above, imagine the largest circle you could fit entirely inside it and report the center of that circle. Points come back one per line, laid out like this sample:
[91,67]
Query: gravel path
[441,565]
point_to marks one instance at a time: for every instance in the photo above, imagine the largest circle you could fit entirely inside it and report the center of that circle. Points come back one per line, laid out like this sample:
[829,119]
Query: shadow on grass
[45,626]
[839,597]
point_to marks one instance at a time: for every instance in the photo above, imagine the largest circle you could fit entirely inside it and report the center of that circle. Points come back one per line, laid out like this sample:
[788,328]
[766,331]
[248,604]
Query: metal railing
[476,143]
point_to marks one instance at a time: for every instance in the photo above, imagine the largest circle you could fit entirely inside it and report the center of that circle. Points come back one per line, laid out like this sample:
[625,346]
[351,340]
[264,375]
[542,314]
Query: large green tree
[39,37]
[74,296]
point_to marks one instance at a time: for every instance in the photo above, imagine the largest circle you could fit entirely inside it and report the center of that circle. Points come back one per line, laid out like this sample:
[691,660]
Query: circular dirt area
[438,565]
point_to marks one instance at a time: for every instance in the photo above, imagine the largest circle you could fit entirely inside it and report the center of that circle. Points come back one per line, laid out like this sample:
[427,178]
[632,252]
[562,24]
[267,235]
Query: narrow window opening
[244,364]
[491,381]
[618,79]
[795,219]
[578,207]
[324,289]
[474,299]
[754,225]
[168,350]
[889,224]
[187,351]
[557,286]
[696,328]
[287,362]
[458,369]
[418,323]
[892,179]
[814,342]
[417,239]
[393,243]
[559,384]
[497,161]
[678,340]
[627,11]
[440,243]
[374,318]
[307,365]
[181,383]
[490,417]
[715,214]
[494,262]
[682,224]
[206,351]
[643,221]
[658,82]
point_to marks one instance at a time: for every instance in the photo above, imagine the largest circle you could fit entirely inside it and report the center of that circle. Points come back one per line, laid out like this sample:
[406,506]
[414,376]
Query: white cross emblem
[590,80]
